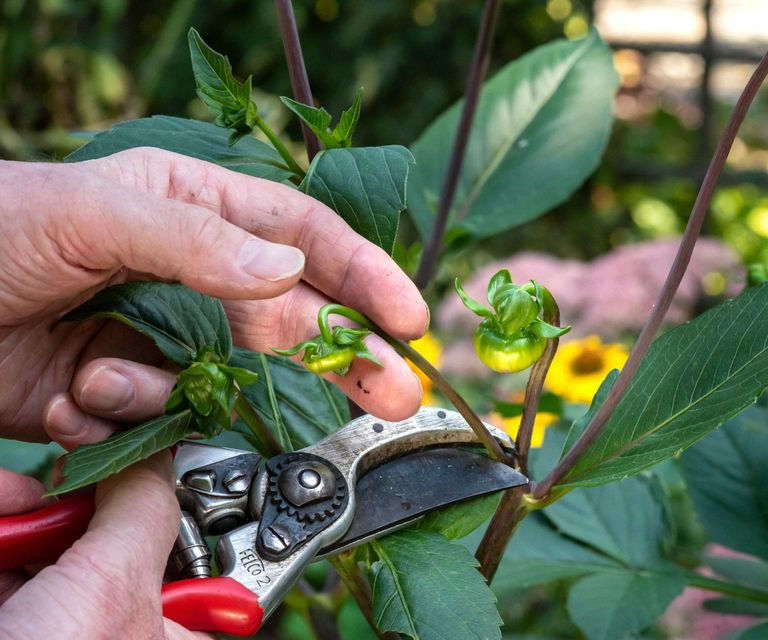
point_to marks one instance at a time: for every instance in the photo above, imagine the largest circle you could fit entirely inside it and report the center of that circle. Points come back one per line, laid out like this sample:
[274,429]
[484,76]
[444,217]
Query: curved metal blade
[403,490]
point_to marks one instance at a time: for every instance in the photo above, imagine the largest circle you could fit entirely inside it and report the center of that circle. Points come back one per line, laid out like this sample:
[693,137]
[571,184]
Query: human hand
[107,585]
[69,230]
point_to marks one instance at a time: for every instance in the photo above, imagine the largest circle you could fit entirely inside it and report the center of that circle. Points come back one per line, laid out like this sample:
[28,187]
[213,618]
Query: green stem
[266,442]
[280,147]
[726,588]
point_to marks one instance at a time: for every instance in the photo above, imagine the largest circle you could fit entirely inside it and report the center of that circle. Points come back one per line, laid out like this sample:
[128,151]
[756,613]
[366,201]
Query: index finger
[340,263]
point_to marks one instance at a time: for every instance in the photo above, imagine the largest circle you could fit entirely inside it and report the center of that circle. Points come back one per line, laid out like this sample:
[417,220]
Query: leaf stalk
[280,148]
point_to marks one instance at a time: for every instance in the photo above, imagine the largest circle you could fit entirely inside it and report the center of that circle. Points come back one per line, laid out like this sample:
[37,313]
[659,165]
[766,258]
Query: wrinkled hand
[275,256]
[107,585]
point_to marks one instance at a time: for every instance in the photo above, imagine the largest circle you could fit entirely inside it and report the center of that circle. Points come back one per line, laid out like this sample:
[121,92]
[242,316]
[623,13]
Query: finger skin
[108,584]
[69,426]
[340,263]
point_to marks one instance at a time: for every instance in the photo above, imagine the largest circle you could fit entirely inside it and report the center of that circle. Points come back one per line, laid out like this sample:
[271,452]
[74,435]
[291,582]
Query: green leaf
[27,457]
[365,186]
[727,478]
[180,321]
[90,463]
[607,606]
[757,632]
[470,303]
[499,280]
[625,520]
[736,607]
[201,140]
[753,573]
[541,126]
[429,589]
[459,520]
[227,98]
[309,407]
[317,119]
[693,379]
[348,121]
[549,403]
[546,330]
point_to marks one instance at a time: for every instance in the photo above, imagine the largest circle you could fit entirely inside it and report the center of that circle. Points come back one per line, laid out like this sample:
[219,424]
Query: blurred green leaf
[429,589]
[365,186]
[727,478]
[549,403]
[736,607]
[693,379]
[200,140]
[758,632]
[753,573]
[180,321]
[541,126]
[90,463]
[606,606]
[309,407]
[26,457]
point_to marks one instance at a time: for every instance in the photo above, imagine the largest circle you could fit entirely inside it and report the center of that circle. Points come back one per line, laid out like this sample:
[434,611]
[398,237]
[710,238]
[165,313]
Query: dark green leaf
[348,121]
[365,186]
[228,99]
[693,379]
[546,330]
[90,463]
[460,519]
[607,606]
[27,457]
[542,124]
[317,119]
[200,140]
[736,607]
[309,407]
[758,632]
[727,478]
[180,321]
[429,589]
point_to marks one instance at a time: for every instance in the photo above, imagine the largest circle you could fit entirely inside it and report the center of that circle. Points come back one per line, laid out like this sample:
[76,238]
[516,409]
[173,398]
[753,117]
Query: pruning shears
[275,516]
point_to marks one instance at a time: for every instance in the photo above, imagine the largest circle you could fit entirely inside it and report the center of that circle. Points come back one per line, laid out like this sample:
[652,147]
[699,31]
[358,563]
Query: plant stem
[280,148]
[676,272]
[535,385]
[297,70]
[409,353]
[346,565]
[267,444]
[477,72]
[509,514]
[727,588]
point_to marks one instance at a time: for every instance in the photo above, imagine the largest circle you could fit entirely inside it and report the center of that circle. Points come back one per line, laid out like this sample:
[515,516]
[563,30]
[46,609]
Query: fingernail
[59,416]
[106,390]
[270,261]
[429,317]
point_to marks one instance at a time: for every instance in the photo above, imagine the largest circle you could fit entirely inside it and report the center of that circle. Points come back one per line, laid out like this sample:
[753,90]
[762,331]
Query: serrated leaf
[429,589]
[459,520]
[179,320]
[227,98]
[692,380]
[365,186]
[348,121]
[607,606]
[727,478]
[90,463]
[541,126]
[201,140]
[309,407]
[316,118]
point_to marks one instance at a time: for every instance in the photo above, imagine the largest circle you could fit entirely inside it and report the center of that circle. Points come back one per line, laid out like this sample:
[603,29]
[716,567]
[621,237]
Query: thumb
[118,226]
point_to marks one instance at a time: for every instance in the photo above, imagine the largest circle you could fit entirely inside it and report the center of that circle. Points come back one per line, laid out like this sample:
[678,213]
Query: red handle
[43,535]
[221,605]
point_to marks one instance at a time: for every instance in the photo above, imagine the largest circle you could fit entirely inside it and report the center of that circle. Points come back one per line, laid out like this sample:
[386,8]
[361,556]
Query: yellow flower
[580,366]
[512,425]
[429,347]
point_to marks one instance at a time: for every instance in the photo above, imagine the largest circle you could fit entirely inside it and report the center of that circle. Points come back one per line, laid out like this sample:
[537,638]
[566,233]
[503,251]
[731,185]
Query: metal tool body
[277,515]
